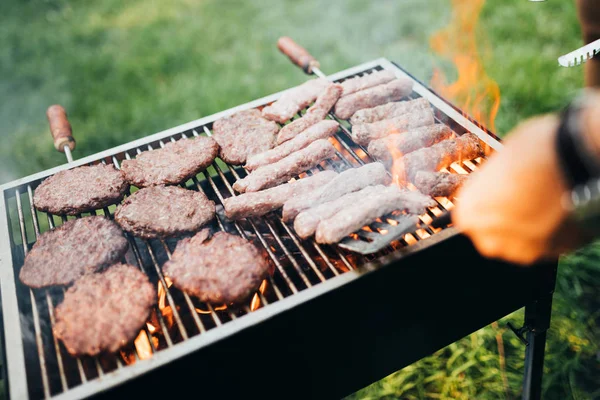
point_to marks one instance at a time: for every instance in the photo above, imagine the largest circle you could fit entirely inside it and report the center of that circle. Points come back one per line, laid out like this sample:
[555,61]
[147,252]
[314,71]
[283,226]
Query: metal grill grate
[298,265]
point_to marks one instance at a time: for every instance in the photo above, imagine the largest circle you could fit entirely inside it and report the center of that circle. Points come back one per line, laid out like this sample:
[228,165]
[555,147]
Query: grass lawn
[124,70]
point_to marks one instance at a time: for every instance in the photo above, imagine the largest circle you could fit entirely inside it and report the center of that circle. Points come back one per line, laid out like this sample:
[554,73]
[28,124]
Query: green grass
[128,69]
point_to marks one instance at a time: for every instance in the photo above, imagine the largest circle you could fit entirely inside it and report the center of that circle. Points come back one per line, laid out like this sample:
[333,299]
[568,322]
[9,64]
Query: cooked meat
[80,189]
[397,145]
[244,134]
[372,97]
[306,222]
[286,168]
[388,111]
[358,83]
[256,204]
[348,181]
[223,269]
[175,163]
[441,155]
[294,100]
[320,130]
[365,133]
[316,113]
[163,211]
[438,183]
[105,311]
[77,247]
[354,217]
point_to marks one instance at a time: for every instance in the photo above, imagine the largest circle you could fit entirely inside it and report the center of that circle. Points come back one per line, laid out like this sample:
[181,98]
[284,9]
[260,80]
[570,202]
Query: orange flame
[474,91]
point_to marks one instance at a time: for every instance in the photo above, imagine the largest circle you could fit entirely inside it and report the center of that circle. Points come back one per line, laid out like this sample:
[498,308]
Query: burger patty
[244,134]
[105,311]
[223,269]
[162,211]
[80,189]
[175,163]
[74,249]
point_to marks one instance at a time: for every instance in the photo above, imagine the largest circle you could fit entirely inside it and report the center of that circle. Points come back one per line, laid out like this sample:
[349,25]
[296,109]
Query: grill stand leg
[537,321]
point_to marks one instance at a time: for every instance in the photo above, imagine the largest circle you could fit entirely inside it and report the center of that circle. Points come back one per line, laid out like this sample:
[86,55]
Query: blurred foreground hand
[511,208]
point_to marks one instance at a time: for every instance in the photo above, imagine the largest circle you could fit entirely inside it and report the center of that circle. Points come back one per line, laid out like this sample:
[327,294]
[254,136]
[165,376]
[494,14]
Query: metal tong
[407,224]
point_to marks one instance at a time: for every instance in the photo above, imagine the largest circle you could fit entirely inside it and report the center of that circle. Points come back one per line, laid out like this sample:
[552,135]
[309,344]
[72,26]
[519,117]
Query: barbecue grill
[326,323]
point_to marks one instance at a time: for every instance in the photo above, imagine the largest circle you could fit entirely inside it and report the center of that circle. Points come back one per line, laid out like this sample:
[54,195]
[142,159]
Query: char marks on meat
[163,211]
[76,248]
[442,154]
[320,130]
[294,100]
[348,181]
[80,189]
[396,145]
[256,204]
[175,163]
[372,97]
[316,113]
[307,221]
[223,269]
[244,134]
[286,168]
[103,312]
[439,183]
[365,133]
[359,83]
[354,217]
[388,111]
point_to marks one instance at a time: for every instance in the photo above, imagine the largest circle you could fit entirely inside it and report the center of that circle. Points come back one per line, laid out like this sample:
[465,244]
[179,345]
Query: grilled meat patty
[75,248]
[397,145]
[294,100]
[163,211]
[286,168]
[320,130]
[244,134]
[438,183]
[365,133]
[384,201]
[175,163]
[388,111]
[256,204]
[80,189]
[223,269]
[442,154]
[351,180]
[316,113]
[374,96]
[359,83]
[103,312]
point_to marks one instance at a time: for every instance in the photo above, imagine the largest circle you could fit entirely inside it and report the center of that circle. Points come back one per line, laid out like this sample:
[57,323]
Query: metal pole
[537,319]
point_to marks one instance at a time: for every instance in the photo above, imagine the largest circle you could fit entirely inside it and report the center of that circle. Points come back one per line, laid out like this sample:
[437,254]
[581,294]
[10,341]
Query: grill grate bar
[34,309]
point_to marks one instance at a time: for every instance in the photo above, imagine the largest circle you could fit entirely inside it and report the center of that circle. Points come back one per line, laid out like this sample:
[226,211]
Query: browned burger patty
[105,311]
[244,134]
[175,163]
[163,211]
[80,189]
[75,248]
[223,269]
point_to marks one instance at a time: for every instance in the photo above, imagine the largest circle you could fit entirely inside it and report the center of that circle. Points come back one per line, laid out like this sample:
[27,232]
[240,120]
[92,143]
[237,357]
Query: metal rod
[68,154]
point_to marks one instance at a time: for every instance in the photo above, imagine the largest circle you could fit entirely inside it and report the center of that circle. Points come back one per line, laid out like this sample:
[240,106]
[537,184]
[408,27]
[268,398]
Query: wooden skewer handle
[297,54]
[60,128]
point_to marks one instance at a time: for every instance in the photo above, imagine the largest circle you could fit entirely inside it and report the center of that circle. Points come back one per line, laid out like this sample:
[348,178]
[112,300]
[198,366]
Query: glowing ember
[142,345]
[445,202]
[474,91]
[384,231]
[255,303]
[422,233]
[392,222]
[410,239]
[361,154]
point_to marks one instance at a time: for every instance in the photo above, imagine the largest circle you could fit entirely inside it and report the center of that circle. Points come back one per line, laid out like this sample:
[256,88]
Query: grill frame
[14,353]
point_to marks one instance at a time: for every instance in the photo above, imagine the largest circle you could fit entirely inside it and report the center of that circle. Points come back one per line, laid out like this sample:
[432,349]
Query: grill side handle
[297,54]
[60,128]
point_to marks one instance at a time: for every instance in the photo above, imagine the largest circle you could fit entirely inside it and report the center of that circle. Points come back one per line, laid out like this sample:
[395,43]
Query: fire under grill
[321,310]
